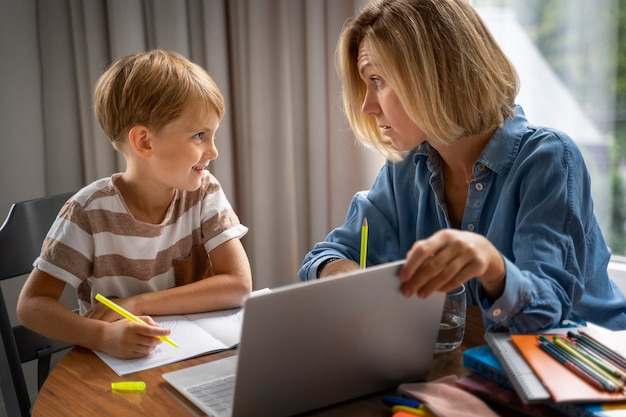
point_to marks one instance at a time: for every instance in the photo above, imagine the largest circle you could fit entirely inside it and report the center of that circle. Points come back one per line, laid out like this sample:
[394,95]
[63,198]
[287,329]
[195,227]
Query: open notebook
[309,345]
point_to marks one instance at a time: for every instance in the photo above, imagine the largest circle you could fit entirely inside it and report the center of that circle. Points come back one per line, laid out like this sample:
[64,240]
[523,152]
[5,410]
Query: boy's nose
[211,151]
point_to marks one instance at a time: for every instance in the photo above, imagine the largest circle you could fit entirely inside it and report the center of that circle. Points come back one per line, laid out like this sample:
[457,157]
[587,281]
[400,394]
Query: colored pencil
[605,351]
[571,365]
[612,384]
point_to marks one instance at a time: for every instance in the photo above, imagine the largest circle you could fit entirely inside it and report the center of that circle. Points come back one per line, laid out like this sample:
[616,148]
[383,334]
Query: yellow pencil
[364,233]
[130,316]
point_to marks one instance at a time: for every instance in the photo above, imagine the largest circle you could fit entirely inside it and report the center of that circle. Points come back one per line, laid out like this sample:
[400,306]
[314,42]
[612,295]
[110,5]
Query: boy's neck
[144,203]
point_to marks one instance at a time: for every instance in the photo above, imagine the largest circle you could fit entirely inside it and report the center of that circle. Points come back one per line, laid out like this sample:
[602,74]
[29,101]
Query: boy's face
[183,148]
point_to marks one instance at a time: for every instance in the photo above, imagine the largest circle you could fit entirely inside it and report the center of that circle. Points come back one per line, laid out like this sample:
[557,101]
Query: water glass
[452,326]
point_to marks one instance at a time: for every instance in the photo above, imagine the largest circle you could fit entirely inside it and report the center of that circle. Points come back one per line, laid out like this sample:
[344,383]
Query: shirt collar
[499,153]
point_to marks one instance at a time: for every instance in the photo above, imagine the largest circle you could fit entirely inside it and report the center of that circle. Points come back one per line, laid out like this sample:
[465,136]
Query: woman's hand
[450,258]
[338,266]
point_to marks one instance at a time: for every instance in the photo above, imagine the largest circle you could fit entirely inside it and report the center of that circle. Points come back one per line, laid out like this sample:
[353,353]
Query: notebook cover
[481,360]
[563,384]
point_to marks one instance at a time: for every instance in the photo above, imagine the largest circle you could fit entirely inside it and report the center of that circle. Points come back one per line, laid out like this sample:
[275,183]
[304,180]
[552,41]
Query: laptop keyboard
[216,394]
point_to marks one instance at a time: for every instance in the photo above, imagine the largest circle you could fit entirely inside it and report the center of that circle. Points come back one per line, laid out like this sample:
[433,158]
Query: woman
[471,192]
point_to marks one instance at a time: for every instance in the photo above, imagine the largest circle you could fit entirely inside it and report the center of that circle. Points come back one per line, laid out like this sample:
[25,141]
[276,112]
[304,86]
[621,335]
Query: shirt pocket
[194,267]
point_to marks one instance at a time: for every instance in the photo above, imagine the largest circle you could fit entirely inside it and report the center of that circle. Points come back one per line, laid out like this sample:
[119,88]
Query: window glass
[573,78]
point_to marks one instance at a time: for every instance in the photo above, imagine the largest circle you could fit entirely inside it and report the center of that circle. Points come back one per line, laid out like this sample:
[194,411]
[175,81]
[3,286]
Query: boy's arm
[39,309]
[227,288]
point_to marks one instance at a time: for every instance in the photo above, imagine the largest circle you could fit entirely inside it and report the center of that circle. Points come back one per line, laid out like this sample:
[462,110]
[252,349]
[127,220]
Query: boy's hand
[127,339]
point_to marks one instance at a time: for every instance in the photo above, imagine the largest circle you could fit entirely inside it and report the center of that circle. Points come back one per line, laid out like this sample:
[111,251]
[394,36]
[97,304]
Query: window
[573,78]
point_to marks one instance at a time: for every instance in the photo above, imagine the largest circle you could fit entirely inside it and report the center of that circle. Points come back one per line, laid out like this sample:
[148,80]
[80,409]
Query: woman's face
[383,103]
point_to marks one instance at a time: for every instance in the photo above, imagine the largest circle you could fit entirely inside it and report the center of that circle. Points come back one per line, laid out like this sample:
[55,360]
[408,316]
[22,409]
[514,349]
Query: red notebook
[563,384]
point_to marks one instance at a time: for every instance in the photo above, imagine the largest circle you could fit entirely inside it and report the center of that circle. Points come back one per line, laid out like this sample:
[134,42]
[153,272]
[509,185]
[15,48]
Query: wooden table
[80,386]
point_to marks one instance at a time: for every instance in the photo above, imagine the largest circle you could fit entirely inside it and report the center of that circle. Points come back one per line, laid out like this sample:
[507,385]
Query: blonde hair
[448,72]
[152,89]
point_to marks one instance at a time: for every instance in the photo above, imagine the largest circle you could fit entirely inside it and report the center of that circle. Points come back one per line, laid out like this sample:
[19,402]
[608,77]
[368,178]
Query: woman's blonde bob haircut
[448,72]
[151,89]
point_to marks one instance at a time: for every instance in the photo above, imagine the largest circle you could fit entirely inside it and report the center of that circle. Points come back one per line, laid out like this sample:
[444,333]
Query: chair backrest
[21,237]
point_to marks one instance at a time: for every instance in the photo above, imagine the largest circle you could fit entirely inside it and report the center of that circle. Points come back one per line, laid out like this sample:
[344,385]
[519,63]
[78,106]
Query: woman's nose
[370,104]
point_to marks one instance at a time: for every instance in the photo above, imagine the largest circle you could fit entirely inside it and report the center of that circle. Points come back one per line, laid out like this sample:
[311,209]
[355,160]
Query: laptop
[312,344]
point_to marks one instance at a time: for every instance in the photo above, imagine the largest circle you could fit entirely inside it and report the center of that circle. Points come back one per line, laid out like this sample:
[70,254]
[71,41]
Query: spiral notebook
[526,383]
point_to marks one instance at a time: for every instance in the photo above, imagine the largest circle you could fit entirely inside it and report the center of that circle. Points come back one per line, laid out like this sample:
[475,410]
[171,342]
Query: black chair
[21,237]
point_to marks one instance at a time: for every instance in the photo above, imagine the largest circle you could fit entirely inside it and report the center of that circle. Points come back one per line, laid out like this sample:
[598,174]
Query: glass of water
[452,325]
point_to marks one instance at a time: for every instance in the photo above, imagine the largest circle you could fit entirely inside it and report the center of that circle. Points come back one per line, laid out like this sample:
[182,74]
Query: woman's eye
[376,81]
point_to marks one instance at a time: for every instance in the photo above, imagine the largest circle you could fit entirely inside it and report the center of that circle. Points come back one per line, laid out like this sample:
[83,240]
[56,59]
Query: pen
[569,348]
[364,233]
[130,316]
[391,400]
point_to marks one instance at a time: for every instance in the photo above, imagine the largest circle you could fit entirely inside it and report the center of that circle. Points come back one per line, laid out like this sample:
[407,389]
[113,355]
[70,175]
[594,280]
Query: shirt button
[479,186]
[496,312]
[470,227]
[480,167]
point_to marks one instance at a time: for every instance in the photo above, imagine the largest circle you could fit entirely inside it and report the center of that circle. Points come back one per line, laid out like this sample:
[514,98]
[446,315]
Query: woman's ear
[140,140]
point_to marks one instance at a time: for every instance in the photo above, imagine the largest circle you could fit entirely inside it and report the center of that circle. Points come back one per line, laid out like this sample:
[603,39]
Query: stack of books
[521,372]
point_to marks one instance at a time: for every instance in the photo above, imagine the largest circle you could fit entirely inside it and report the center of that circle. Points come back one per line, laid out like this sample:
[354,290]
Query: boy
[161,237]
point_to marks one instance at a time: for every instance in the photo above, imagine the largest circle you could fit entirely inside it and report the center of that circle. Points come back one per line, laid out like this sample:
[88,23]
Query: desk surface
[80,386]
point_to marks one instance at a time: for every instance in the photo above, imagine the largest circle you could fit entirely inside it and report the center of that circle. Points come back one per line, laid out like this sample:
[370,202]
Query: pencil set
[587,358]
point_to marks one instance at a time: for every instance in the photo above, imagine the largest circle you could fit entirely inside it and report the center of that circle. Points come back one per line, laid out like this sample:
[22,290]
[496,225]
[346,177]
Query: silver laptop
[310,345]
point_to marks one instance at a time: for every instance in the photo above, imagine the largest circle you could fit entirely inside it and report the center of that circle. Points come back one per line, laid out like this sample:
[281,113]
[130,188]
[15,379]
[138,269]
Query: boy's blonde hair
[448,72]
[151,89]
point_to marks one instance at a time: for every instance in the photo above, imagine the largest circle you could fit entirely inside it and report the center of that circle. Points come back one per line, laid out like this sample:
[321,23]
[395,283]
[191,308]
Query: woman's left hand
[448,259]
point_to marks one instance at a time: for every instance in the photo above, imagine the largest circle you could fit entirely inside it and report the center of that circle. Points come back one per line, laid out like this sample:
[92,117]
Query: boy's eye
[198,135]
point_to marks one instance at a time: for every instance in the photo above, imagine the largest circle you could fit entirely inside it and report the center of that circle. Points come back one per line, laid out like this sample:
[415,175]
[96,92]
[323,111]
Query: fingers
[129,339]
[442,262]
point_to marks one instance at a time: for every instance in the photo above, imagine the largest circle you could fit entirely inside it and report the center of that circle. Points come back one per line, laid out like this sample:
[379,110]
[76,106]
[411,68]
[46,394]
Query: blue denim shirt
[530,197]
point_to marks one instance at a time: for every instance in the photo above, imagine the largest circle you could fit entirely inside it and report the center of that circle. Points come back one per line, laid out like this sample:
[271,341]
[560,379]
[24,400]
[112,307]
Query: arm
[390,233]
[227,288]
[336,266]
[39,309]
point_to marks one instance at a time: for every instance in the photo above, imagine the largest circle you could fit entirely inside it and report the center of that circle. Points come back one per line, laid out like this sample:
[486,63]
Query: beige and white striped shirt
[97,246]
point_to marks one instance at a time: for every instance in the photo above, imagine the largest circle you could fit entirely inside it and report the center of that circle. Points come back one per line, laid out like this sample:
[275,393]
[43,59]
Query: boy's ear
[139,138]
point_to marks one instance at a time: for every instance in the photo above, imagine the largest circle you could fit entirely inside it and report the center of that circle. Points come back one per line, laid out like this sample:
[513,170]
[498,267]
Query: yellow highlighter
[128,386]
[130,316]
[364,233]
[419,411]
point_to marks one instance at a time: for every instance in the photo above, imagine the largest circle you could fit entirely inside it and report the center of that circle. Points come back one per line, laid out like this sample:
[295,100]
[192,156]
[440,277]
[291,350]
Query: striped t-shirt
[96,245]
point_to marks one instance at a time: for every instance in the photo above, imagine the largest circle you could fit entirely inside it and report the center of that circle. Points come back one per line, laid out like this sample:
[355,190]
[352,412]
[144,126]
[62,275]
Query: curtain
[287,162]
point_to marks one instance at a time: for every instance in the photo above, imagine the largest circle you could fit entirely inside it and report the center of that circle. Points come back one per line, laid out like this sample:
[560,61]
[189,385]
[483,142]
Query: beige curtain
[288,161]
